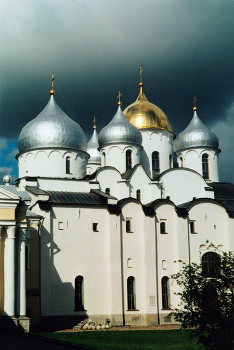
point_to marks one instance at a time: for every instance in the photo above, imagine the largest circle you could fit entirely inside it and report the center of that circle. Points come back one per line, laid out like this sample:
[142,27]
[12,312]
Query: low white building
[118,216]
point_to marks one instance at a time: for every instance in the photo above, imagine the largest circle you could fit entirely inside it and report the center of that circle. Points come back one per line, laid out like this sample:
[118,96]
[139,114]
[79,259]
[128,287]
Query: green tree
[207,300]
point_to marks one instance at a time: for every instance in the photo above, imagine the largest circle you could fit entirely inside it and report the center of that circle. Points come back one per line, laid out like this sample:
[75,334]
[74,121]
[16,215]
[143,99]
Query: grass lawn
[126,340]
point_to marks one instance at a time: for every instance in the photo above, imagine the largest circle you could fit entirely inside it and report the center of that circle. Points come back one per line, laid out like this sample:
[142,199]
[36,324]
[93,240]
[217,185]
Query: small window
[107,191]
[138,195]
[95,227]
[155,164]
[128,226]
[205,166]
[104,158]
[27,252]
[181,162]
[192,227]
[131,293]
[129,263]
[170,161]
[164,265]
[128,160]
[68,170]
[60,225]
[165,293]
[79,293]
[162,227]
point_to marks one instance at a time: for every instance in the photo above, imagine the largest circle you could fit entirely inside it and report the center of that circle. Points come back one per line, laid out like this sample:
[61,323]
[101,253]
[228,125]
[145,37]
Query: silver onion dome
[119,130]
[92,149]
[52,128]
[195,135]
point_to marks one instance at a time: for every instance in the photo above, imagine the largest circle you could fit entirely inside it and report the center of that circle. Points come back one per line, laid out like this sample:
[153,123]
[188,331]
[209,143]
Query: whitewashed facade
[111,239]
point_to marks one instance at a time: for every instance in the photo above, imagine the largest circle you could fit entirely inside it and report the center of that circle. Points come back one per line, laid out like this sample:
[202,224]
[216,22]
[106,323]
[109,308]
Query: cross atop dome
[52,92]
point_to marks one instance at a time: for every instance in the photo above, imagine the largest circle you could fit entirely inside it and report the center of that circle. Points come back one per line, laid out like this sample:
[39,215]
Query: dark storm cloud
[94,48]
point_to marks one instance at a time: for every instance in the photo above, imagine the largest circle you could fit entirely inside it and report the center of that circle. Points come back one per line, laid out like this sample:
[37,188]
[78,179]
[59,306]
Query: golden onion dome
[145,115]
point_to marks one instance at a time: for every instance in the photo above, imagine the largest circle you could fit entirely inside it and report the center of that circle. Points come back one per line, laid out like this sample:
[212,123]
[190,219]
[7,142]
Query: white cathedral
[96,229]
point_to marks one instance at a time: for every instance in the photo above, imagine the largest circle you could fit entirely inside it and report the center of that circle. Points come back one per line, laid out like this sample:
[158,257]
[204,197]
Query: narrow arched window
[138,195]
[155,164]
[128,160]
[181,162]
[165,293]
[128,225]
[131,293]
[192,227]
[104,158]
[162,227]
[170,161]
[68,165]
[79,293]
[205,166]
[107,191]
[210,264]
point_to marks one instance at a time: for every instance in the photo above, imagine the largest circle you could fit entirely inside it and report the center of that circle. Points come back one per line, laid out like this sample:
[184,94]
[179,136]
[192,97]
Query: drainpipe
[156,264]
[122,268]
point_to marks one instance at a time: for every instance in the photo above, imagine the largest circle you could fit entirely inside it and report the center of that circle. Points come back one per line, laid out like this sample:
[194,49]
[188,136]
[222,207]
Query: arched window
[162,227]
[181,162]
[104,158]
[68,160]
[170,161]
[192,226]
[131,293]
[210,264]
[165,293]
[79,293]
[155,164]
[138,195]
[107,191]
[128,225]
[128,160]
[205,166]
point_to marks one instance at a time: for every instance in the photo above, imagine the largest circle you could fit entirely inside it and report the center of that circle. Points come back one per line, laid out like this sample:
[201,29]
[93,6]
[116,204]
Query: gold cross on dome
[140,73]
[52,92]
[119,95]
[94,125]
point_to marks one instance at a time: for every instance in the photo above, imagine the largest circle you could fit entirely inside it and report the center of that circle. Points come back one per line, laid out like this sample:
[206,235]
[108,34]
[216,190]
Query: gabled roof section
[181,212]
[227,204]
[223,190]
[129,173]
[103,194]
[12,192]
[76,198]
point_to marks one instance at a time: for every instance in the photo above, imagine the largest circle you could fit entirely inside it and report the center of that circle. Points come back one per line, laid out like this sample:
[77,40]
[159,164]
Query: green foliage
[208,302]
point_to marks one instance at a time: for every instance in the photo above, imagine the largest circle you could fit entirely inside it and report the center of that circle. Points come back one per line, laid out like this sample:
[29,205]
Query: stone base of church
[24,322]
[14,324]
[132,319]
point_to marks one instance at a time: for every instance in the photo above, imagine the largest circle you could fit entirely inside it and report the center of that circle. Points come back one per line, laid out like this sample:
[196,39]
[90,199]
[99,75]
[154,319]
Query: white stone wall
[192,159]
[52,163]
[116,155]
[160,141]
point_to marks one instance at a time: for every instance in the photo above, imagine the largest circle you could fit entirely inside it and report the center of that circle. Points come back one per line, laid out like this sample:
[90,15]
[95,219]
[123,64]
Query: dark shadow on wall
[62,294]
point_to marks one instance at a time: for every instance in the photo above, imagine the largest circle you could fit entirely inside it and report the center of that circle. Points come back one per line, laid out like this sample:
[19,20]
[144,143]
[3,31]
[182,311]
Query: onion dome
[119,130]
[52,128]
[145,115]
[196,135]
[92,146]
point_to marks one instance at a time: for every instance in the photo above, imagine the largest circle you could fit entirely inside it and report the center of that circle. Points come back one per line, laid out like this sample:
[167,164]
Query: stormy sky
[94,49]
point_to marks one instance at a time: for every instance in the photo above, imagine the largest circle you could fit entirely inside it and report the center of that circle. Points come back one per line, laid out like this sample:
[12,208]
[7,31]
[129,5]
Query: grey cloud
[94,48]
